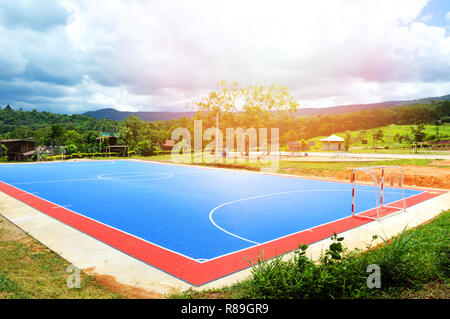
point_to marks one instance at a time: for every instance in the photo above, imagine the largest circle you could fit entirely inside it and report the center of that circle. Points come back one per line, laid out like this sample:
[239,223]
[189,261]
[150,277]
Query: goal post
[378,176]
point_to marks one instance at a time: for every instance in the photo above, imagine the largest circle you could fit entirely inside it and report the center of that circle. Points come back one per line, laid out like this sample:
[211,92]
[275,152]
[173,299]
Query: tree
[73,137]
[146,147]
[303,145]
[377,136]
[290,136]
[251,106]
[326,129]
[418,132]
[347,140]
[130,131]
[56,131]
[3,151]
[71,148]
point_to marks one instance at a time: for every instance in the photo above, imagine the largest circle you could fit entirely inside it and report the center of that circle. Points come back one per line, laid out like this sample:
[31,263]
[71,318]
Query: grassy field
[389,132]
[29,270]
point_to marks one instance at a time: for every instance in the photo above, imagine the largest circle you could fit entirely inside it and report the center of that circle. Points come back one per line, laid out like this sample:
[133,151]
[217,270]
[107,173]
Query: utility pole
[217,136]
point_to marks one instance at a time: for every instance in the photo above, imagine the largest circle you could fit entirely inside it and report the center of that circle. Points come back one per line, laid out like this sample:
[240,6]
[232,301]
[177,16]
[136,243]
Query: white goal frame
[44,149]
[379,204]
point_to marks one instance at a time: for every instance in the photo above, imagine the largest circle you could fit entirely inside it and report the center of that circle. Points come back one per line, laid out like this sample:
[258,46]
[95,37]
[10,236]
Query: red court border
[189,270]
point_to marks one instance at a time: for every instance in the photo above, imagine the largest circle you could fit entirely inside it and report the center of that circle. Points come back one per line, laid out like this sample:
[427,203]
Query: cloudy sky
[70,56]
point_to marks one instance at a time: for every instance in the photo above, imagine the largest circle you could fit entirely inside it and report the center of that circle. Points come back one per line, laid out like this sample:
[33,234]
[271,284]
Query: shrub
[163,152]
[335,276]
[55,158]
[397,262]
[146,148]
[71,148]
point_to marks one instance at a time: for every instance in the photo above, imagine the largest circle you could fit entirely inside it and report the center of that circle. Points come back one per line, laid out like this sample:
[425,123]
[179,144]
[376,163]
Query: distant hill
[113,114]
[365,107]
[347,108]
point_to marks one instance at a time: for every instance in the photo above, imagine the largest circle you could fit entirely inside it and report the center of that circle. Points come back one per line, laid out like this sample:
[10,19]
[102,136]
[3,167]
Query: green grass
[388,138]
[339,166]
[414,264]
[29,270]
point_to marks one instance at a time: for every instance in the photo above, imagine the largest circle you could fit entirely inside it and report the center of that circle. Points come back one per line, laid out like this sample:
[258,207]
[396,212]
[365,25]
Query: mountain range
[112,114]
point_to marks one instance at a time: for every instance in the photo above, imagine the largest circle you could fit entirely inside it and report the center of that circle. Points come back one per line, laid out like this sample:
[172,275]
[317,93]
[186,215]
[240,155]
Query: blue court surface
[199,213]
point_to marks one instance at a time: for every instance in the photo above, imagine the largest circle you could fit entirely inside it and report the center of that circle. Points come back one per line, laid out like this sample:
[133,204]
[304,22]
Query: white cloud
[151,54]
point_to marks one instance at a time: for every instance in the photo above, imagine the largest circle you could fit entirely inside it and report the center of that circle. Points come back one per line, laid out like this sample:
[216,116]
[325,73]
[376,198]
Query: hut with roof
[19,149]
[332,143]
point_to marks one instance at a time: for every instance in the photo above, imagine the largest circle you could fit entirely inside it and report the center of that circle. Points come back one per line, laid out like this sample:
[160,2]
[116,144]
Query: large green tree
[251,106]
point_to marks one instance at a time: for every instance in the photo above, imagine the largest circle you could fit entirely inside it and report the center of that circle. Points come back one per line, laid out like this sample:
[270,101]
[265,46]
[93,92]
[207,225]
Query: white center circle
[134,177]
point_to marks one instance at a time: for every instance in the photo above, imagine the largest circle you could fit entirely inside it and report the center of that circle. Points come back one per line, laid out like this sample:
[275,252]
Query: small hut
[19,149]
[167,145]
[332,143]
[112,139]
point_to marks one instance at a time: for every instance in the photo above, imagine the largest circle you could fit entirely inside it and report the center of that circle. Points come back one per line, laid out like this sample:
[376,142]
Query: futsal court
[196,223]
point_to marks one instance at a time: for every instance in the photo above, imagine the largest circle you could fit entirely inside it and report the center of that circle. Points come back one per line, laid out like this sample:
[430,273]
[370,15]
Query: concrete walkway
[85,252]
[445,155]
[337,155]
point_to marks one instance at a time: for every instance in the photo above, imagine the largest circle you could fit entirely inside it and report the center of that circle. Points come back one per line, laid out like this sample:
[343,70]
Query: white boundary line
[310,178]
[122,231]
[257,197]
[126,178]
[310,229]
[56,181]
[196,260]
[101,177]
[67,162]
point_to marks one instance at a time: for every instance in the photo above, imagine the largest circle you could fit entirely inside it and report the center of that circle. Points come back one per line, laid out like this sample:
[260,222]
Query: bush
[335,276]
[405,263]
[146,148]
[397,262]
[163,152]
[55,158]
[78,155]
[72,148]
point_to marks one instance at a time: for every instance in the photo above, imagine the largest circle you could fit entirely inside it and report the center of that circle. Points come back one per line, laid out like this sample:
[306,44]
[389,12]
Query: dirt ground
[126,290]
[421,176]
[329,158]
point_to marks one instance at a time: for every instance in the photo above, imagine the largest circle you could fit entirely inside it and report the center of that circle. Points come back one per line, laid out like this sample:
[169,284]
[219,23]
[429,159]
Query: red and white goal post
[378,178]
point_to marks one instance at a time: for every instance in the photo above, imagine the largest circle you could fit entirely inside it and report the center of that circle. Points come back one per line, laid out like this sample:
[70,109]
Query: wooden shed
[167,145]
[19,149]
[332,143]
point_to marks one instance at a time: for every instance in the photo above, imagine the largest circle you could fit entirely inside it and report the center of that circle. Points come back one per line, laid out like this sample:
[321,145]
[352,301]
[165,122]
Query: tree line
[254,106]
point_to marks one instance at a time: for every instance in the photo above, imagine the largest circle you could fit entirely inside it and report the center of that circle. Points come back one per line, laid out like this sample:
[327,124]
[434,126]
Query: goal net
[45,151]
[370,199]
